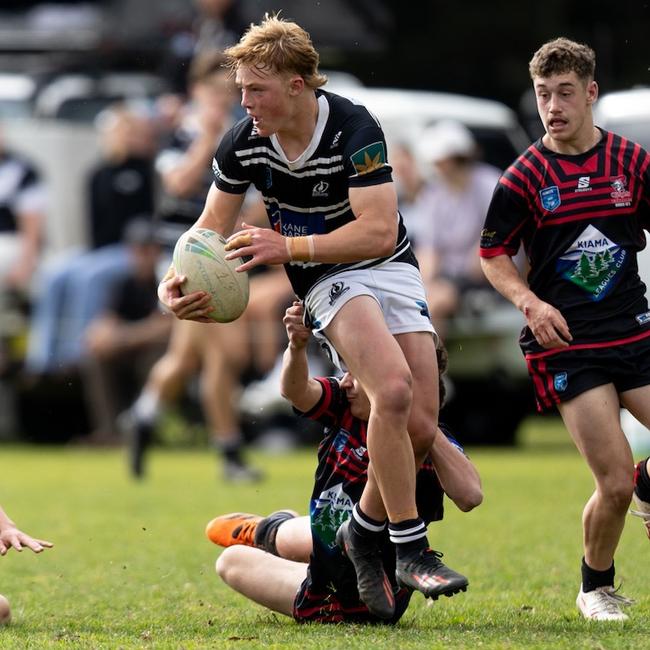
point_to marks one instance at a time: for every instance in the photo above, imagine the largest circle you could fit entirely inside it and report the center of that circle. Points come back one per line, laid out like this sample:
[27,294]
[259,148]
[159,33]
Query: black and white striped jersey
[309,195]
[21,190]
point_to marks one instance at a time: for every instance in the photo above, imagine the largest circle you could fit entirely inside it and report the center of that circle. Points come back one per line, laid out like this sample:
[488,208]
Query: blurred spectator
[457,198]
[22,214]
[410,184]
[220,352]
[124,341]
[216,25]
[23,204]
[77,288]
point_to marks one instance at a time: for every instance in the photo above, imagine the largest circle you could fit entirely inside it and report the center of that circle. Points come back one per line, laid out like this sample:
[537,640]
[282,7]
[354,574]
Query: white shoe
[602,604]
[642,510]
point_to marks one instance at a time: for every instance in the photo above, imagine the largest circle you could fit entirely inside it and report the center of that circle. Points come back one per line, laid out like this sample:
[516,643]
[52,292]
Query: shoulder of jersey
[244,133]
[345,106]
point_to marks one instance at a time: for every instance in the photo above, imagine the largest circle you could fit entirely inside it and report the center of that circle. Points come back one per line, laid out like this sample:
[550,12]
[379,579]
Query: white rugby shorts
[396,286]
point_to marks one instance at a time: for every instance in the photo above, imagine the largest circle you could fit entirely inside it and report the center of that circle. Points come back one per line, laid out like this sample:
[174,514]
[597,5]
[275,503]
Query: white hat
[446,139]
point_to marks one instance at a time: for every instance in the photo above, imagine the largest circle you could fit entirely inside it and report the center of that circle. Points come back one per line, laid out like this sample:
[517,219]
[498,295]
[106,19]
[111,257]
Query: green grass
[132,568]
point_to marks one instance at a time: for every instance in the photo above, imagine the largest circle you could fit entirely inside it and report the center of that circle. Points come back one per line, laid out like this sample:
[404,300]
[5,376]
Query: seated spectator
[410,184]
[457,199]
[76,288]
[23,203]
[122,343]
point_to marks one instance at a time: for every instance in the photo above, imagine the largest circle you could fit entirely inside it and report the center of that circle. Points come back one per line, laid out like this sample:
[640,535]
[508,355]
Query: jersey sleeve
[364,156]
[229,174]
[330,406]
[507,213]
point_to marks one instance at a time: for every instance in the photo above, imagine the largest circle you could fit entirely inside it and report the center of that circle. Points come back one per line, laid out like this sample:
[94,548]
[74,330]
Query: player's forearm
[355,241]
[457,475]
[294,376]
[504,276]
[220,212]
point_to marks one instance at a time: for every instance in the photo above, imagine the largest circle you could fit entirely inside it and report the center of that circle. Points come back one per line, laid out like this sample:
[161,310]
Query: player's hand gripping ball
[200,256]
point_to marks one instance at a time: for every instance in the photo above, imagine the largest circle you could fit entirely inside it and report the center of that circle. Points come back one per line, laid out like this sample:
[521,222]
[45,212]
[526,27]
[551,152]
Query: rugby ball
[200,256]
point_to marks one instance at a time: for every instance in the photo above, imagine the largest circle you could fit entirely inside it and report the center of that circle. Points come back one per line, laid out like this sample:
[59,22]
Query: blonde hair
[280,46]
[562,55]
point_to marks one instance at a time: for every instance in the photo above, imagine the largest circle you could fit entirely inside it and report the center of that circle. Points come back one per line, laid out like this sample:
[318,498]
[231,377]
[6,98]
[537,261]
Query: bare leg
[268,580]
[593,421]
[293,540]
[225,351]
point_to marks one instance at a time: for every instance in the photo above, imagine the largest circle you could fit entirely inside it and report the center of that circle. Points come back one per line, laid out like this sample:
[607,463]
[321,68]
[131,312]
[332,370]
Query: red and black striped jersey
[340,478]
[581,221]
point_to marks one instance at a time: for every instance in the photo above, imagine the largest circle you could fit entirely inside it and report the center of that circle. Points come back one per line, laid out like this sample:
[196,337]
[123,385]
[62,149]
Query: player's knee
[394,397]
[617,490]
[227,564]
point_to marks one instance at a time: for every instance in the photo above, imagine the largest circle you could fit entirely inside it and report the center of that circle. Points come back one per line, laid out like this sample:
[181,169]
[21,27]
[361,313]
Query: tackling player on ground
[310,579]
[578,200]
[320,163]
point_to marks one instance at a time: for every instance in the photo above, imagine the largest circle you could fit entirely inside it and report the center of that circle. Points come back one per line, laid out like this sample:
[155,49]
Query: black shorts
[559,376]
[326,607]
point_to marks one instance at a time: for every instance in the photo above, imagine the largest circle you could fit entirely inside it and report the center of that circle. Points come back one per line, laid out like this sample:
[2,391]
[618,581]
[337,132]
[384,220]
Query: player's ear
[592,92]
[296,85]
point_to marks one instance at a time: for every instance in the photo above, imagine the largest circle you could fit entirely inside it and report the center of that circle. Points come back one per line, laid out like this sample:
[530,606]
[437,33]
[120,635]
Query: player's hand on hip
[547,325]
[194,306]
[297,333]
[262,245]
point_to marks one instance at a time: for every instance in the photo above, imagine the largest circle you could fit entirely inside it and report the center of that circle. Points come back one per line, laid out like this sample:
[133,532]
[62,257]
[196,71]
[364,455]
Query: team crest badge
[620,194]
[560,381]
[336,291]
[550,198]
[370,158]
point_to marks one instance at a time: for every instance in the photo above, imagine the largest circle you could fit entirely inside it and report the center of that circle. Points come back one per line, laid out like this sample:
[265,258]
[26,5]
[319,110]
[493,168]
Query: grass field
[132,569]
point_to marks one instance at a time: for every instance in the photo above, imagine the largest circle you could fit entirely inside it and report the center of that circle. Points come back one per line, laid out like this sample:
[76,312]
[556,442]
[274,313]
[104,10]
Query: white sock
[146,407]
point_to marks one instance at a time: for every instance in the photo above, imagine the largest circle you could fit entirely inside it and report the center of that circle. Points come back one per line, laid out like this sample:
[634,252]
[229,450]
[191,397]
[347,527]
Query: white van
[627,113]
[405,114]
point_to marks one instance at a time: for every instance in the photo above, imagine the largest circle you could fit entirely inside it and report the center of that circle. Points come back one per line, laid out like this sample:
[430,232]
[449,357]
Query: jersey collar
[323,114]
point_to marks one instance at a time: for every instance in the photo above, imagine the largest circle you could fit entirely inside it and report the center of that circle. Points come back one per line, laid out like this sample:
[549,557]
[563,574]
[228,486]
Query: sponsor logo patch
[643,319]
[593,262]
[369,159]
[328,511]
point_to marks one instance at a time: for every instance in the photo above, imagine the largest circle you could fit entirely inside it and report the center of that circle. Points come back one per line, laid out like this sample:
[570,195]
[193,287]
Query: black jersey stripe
[317,171]
[331,211]
[269,151]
